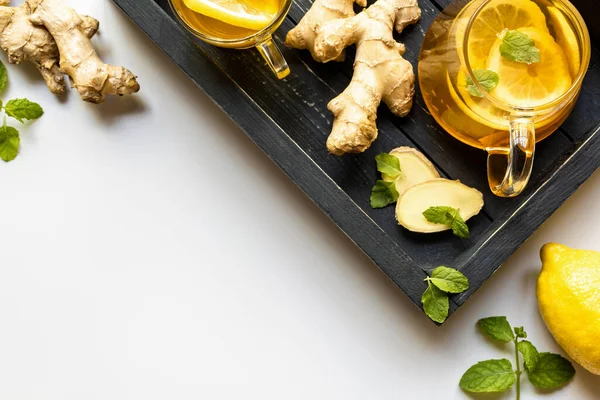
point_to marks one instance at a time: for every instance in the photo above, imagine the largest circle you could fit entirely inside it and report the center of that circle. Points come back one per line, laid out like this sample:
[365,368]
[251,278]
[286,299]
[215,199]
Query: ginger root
[24,42]
[303,36]
[78,59]
[380,71]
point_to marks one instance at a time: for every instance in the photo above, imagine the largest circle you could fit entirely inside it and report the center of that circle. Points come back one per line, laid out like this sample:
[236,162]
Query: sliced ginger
[380,71]
[416,168]
[437,192]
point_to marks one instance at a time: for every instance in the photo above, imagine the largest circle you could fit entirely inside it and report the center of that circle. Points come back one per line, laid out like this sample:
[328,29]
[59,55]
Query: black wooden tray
[290,122]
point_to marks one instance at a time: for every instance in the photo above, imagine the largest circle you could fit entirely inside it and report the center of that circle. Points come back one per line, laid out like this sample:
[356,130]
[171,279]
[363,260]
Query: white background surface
[150,251]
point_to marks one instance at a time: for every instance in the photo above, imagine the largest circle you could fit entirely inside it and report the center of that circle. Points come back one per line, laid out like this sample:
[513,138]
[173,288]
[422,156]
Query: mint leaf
[435,303]
[518,47]
[496,328]
[449,216]
[530,354]
[520,332]
[449,280]
[440,215]
[9,143]
[21,109]
[459,227]
[552,371]
[489,376]
[3,76]
[388,164]
[488,79]
[383,194]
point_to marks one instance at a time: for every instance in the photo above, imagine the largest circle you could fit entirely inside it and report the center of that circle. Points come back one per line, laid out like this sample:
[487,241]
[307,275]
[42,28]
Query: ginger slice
[78,59]
[437,192]
[380,71]
[416,168]
[24,42]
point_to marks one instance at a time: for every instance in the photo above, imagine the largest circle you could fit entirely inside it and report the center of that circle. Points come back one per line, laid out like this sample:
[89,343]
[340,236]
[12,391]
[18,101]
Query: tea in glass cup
[500,75]
[237,24]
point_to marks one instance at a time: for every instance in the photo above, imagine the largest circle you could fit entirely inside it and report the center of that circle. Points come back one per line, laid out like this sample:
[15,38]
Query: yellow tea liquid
[217,29]
[443,76]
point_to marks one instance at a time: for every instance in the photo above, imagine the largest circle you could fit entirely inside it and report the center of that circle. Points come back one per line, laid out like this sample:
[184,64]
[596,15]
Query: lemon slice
[531,85]
[233,12]
[478,109]
[495,17]
[566,39]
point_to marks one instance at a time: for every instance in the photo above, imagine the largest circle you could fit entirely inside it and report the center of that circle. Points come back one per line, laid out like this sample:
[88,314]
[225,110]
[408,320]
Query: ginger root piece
[78,59]
[22,41]
[303,36]
[416,168]
[380,71]
[437,192]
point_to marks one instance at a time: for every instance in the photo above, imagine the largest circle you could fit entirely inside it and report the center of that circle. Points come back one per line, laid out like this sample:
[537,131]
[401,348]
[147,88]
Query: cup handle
[274,58]
[509,169]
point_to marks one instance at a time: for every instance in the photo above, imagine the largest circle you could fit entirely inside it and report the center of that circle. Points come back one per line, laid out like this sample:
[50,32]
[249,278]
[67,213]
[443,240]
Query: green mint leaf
[459,227]
[530,354]
[383,194]
[520,332]
[21,109]
[9,143]
[3,77]
[388,164]
[488,79]
[449,216]
[491,376]
[440,215]
[496,328]
[449,280]
[518,47]
[435,303]
[552,371]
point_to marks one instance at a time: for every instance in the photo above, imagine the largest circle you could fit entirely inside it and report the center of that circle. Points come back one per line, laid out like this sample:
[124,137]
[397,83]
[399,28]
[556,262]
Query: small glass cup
[508,132]
[262,39]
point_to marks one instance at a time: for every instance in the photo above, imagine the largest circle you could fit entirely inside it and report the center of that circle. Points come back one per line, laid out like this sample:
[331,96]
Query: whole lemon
[568,295]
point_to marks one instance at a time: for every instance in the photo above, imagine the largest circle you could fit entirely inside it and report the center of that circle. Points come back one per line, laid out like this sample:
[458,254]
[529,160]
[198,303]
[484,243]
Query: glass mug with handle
[237,24]
[501,75]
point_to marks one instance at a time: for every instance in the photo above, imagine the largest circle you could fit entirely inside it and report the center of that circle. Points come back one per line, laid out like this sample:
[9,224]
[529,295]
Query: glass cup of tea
[501,75]
[223,34]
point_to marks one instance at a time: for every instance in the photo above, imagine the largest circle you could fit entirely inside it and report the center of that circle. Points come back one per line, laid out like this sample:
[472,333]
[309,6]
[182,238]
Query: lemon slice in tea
[531,85]
[234,12]
[566,39]
[494,18]
[478,109]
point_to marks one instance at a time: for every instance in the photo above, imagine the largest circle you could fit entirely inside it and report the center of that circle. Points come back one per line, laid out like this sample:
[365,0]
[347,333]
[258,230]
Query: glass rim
[246,39]
[582,35]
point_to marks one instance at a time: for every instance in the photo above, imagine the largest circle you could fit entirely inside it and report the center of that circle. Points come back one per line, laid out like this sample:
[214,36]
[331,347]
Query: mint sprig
[19,109]
[443,280]
[488,79]
[544,370]
[519,47]
[450,217]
